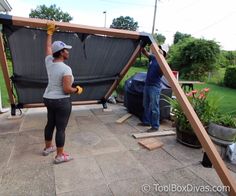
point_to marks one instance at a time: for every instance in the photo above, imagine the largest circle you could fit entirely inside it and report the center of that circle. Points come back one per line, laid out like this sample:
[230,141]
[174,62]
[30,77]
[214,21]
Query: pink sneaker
[62,158]
[47,151]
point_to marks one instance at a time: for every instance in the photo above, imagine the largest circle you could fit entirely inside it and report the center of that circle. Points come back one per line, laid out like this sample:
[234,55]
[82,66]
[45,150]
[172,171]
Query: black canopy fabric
[96,61]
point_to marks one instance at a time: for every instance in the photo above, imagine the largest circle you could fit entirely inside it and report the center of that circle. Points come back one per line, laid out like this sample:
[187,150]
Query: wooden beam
[199,129]
[3,61]
[66,26]
[123,72]
[152,134]
[124,118]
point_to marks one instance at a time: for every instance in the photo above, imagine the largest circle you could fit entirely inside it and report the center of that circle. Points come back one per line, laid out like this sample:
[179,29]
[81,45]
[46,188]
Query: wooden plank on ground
[153,134]
[124,118]
[151,143]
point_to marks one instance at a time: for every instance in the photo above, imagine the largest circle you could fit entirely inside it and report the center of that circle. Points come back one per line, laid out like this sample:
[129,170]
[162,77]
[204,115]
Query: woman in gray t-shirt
[57,95]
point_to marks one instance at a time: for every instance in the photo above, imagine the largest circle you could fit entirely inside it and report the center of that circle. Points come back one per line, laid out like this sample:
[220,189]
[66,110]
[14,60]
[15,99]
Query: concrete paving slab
[120,129]
[37,180]
[133,121]
[7,144]
[230,165]
[120,110]
[99,111]
[102,190]
[108,146]
[108,118]
[129,142]
[94,143]
[157,160]
[9,125]
[168,181]
[99,129]
[184,154]
[78,175]
[87,120]
[34,120]
[77,111]
[124,133]
[207,174]
[30,156]
[120,166]
[27,138]
[136,187]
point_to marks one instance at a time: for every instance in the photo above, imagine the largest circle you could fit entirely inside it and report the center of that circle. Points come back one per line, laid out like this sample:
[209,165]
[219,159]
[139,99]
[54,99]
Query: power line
[122,2]
[216,22]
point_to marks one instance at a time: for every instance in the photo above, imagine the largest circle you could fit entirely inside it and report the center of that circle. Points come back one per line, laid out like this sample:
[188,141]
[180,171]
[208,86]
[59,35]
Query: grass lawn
[225,95]
[132,71]
[4,94]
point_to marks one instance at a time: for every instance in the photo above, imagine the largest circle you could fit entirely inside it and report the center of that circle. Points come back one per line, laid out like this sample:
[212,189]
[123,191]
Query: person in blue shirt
[151,93]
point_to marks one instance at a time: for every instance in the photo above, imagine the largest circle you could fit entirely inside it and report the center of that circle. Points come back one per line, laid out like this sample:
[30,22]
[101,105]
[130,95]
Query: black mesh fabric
[96,61]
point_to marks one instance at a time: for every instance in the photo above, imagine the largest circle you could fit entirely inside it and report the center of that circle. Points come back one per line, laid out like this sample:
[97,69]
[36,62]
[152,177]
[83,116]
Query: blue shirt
[154,73]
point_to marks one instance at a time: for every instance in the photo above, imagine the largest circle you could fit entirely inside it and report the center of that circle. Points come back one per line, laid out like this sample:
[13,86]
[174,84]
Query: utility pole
[154,17]
[105,20]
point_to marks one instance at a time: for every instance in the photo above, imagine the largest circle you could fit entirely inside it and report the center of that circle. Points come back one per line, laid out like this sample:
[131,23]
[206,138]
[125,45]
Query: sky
[208,19]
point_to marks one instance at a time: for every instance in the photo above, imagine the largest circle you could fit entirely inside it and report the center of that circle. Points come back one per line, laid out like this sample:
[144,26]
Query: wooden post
[124,71]
[199,130]
[3,61]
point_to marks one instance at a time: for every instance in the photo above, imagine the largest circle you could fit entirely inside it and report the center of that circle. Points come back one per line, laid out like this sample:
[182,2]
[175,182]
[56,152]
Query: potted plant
[204,108]
[222,129]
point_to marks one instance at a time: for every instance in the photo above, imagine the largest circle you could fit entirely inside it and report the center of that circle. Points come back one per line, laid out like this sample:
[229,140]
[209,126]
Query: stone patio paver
[107,159]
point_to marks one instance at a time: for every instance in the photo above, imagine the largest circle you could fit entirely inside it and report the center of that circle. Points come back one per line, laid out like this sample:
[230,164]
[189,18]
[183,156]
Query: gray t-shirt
[55,72]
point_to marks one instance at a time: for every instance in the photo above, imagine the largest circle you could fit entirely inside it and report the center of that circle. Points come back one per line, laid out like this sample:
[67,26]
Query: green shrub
[141,62]
[230,77]
[216,76]
[193,58]
[226,120]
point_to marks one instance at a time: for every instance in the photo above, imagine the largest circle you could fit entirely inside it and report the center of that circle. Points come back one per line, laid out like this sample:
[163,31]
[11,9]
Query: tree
[227,58]
[194,58]
[180,36]
[50,13]
[126,22]
[159,38]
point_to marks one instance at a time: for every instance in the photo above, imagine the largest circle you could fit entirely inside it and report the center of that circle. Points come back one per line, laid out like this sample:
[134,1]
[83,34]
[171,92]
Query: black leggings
[58,115]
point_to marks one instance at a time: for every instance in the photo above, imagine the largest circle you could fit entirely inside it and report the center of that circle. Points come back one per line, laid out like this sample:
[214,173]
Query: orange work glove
[51,27]
[79,89]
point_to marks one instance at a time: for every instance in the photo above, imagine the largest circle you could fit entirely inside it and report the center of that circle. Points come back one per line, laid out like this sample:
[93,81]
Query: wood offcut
[153,134]
[151,143]
[124,118]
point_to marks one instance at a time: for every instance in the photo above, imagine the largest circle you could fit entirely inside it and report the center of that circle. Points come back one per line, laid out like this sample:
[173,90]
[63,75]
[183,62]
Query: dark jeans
[151,98]
[58,116]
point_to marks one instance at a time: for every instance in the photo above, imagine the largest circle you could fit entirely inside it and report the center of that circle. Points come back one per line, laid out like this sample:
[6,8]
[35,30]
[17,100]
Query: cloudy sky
[209,19]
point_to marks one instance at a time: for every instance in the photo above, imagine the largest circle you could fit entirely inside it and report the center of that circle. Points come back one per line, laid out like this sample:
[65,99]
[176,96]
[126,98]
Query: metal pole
[154,17]
[105,21]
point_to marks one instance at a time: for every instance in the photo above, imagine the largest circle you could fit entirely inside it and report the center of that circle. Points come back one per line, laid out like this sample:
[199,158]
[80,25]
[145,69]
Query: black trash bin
[133,98]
